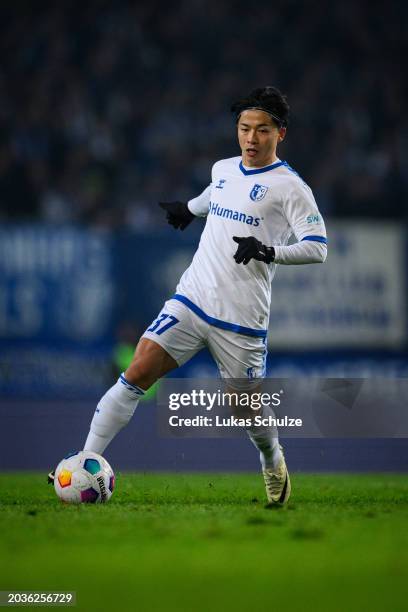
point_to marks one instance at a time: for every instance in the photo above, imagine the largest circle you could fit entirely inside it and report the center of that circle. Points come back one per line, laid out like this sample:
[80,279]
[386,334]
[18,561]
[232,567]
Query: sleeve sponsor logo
[314,219]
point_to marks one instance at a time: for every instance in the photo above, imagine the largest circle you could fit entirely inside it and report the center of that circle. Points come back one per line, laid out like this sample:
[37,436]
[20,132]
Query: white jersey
[269,203]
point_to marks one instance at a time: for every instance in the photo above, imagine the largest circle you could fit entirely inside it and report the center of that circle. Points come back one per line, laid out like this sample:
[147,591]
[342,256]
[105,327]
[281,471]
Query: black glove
[251,248]
[178,214]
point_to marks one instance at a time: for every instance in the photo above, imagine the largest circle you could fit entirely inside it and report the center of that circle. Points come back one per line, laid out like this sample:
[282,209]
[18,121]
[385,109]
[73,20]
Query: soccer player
[253,205]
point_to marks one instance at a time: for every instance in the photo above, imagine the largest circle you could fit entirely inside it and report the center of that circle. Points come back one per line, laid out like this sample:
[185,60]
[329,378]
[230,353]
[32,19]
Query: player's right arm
[180,214]
[200,205]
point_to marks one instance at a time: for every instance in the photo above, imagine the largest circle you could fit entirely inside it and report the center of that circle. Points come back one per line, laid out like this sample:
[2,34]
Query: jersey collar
[259,170]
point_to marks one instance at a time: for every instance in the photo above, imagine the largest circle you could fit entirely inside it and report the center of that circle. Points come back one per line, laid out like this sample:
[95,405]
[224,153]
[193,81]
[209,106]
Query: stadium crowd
[106,108]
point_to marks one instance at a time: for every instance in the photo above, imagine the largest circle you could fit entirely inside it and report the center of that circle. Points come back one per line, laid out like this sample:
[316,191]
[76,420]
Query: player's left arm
[306,223]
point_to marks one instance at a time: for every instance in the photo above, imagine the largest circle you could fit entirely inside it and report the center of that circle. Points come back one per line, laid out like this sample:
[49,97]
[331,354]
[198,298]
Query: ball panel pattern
[84,477]
[92,466]
[71,454]
[89,496]
[64,478]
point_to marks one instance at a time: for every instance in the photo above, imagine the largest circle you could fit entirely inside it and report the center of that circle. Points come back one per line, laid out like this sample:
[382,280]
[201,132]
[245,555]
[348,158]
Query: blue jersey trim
[315,239]
[260,170]
[294,172]
[285,163]
[239,329]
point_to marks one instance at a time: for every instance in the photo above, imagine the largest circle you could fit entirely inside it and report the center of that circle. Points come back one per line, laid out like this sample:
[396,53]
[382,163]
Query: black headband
[280,122]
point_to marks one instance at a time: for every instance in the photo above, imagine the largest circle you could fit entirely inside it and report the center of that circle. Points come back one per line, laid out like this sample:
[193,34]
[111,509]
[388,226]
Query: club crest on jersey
[258,192]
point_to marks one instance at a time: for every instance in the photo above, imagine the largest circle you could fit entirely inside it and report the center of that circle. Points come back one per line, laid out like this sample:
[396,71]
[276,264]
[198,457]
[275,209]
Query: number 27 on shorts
[163,322]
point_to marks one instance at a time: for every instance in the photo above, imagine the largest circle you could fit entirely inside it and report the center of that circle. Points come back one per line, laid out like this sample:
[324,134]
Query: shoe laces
[273,482]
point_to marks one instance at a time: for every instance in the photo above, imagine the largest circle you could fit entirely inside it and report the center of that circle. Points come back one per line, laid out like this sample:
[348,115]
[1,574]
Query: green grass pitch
[182,542]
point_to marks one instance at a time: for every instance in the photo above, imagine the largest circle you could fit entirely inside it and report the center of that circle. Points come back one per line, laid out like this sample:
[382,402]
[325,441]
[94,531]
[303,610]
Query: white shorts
[182,334]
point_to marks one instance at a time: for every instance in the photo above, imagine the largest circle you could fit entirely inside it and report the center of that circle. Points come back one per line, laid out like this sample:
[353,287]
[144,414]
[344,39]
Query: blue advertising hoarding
[66,294]
[57,302]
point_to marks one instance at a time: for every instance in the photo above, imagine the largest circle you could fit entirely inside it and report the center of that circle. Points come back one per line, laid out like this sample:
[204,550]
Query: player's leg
[117,406]
[171,340]
[241,361]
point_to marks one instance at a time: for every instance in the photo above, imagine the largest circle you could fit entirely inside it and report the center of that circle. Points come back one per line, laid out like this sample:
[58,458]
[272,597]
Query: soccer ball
[84,477]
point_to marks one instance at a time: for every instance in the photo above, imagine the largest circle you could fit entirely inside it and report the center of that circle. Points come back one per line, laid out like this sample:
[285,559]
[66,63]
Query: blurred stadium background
[107,108]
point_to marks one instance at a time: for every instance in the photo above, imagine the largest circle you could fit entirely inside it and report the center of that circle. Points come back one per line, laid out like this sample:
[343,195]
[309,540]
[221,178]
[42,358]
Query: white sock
[113,412]
[266,441]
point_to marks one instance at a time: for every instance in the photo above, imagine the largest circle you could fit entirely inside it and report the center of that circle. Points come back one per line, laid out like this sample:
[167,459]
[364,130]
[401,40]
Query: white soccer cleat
[277,483]
[51,477]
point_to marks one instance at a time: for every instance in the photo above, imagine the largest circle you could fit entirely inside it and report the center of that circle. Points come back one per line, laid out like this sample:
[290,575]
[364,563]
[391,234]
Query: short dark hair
[270,100]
